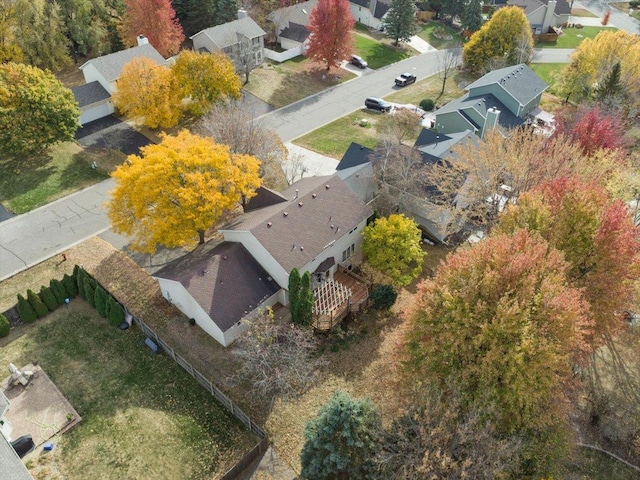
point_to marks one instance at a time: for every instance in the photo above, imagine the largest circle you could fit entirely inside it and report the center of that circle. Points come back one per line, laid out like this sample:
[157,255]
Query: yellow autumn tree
[205,78]
[504,40]
[594,60]
[149,91]
[178,189]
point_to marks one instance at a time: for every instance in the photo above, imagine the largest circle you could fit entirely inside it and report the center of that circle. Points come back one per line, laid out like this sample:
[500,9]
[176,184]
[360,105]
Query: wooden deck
[354,303]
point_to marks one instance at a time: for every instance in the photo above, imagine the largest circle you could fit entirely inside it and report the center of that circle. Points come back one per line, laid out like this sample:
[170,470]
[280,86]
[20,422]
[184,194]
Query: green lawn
[27,183]
[573,36]
[426,33]
[377,54]
[549,73]
[430,88]
[143,416]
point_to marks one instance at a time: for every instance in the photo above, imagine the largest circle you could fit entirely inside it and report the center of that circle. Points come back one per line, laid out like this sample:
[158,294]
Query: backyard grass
[549,72]
[280,84]
[427,30]
[378,54]
[143,416]
[624,7]
[29,182]
[572,37]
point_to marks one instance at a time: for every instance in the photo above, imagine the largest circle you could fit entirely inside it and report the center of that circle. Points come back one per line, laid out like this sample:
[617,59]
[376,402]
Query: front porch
[335,298]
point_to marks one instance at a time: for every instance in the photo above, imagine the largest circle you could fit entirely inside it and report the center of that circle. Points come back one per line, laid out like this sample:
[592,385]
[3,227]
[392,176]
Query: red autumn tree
[330,25]
[592,129]
[596,235]
[156,20]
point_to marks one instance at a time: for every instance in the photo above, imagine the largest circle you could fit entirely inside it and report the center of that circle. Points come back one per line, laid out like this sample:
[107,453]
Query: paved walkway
[307,163]
[420,45]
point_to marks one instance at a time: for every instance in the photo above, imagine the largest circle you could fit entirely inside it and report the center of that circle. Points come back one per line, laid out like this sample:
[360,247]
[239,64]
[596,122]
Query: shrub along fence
[35,306]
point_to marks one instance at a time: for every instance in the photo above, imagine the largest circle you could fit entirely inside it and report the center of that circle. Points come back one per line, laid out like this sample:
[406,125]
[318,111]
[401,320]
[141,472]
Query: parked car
[405,79]
[358,61]
[377,104]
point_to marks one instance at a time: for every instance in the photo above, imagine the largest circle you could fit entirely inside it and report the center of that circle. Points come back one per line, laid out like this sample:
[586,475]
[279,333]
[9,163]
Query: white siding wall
[364,16]
[203,41]
[176,294]
[96,111]
[91,74]
[262,256]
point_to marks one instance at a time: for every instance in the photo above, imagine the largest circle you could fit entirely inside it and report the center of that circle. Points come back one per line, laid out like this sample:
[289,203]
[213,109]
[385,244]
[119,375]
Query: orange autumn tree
[156,20]
[597,236]
[330,24]
[150,91]
[500,324]
[176,190]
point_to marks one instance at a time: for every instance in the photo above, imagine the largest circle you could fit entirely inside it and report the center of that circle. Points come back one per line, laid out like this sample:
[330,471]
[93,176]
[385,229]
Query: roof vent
[284,214]
[301,249]
[332,226]
[313,195]
[296,193]
[300,204]
[269,224]
[327,186]
[293,246]
[224,257]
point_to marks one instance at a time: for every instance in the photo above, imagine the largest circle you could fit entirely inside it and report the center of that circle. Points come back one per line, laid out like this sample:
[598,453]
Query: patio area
[38,409]
[334,299]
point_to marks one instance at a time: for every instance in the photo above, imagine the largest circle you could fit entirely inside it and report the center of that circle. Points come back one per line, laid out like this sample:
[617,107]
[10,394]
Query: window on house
[349,252]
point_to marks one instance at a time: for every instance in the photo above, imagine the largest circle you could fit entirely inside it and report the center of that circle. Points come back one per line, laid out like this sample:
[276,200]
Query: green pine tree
[58,290]
[342,440]
[37,303]
[201,14]
[399,22]
[116,312]
[305,302]
[100,299]
[294,295]
[70,286]
[81,275]
[5,326]
[611,87]
[226,11]
[25,310]
[90,291]
[48,298]
[472,16]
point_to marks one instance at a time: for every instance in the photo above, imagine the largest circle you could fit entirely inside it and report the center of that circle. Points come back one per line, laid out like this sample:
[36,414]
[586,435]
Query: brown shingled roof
[323,210]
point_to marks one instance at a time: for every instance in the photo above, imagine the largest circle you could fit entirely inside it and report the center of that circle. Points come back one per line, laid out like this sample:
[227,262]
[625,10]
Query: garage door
[95,112]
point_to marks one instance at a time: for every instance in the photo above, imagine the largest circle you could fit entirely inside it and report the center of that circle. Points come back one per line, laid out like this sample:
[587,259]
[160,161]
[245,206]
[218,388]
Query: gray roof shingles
[519,81]
[11,466]
[111,65]
[305,231]
[90,93]
[295,32]
[530,6]
[226,35]
[226,281]
[356,154]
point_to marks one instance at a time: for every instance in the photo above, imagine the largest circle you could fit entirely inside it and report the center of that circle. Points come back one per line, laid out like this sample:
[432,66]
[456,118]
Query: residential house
[544,14]
[290,25]
[369,12]
[235,39]
[314,225]
[11,465]
[505,98]
[356,170]
[101,75]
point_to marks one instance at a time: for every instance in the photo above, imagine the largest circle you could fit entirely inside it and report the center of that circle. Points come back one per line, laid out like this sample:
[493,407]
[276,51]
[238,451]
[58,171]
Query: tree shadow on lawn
[20,175]
[79,173]
[382,55]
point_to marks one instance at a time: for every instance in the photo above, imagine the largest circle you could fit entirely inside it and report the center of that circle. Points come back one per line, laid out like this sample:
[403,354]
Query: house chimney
[549,15]
[142,40]
[242,14]
[493,114]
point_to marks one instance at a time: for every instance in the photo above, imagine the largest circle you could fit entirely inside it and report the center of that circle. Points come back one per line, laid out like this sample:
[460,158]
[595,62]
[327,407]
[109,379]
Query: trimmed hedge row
[49,298]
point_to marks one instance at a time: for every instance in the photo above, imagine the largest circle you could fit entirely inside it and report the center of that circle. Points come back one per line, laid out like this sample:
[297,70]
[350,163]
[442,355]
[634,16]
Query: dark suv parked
[358,61]
[377,104]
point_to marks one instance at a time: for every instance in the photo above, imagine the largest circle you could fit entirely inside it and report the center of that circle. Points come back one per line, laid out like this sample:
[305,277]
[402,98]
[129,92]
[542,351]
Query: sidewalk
[619,19]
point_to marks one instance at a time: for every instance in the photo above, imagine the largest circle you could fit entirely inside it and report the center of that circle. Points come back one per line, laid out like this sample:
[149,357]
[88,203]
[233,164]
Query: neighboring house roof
[4,405]
[298,13]
[530,6]
[381,9]
[362,3]
[356,154]
[90,93]
[11,465]
[295,32]
[319,211]
[360,180]
[110,66]
[519,81]
[226,35]
[264,197]
[435,146]
[226,281]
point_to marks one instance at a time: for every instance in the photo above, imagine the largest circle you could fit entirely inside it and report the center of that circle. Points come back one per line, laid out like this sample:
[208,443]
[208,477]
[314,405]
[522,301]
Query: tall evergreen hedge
[116,312]
[5,326]
[81,276]
[58,290]
[90,291]
[48,298]
[37,303]
[100,300]
[70,285]
[25,310]
[306,300]
[294,295]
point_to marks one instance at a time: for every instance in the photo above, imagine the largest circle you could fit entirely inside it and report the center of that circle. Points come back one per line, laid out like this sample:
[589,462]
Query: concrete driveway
[110,132]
